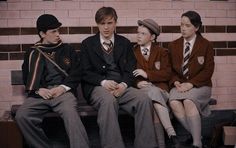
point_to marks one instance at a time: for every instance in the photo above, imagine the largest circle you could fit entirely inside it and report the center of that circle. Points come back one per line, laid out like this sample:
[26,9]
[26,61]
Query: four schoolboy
[109,70]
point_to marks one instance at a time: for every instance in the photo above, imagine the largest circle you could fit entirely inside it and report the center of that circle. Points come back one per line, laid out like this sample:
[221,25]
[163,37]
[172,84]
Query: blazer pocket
[158,65]
[201,60]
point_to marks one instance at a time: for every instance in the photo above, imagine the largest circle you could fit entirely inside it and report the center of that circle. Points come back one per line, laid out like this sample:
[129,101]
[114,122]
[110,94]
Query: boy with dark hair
[51,75]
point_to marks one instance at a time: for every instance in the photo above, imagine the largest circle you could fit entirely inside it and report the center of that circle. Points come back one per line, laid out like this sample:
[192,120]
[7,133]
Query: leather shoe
[175,142]
[189,141]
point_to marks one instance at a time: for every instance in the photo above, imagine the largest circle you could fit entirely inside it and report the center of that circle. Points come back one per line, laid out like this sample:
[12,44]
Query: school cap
[150,24]
[46,22]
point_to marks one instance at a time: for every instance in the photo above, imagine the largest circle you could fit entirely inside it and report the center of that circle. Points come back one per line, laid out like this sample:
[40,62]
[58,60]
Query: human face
[107,27]
[144,37]
[188,30]
[51,36]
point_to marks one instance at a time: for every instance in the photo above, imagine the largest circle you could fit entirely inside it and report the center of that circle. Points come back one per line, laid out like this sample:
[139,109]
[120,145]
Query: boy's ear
[153,37]
[197,29]
[42,34]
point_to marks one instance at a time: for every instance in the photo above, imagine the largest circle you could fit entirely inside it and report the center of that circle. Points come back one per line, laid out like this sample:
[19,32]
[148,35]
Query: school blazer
[94,66]
[201,62]
[157,67]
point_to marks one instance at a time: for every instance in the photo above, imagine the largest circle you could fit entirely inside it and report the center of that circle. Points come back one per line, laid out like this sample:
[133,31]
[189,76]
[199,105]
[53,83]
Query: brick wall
[17,32]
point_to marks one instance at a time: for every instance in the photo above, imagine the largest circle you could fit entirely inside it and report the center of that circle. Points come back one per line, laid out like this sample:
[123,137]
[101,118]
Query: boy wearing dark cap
[108,61]
[51,75]
[153,73]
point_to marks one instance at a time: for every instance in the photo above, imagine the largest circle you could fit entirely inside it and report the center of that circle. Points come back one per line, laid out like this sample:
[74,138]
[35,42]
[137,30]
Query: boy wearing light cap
[153,73]
[51,75]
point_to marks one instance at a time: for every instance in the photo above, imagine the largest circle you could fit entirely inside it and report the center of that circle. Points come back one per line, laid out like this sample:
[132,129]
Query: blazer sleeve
[129,65]
[25,66]
[89,74]
[74,72]
[174,73]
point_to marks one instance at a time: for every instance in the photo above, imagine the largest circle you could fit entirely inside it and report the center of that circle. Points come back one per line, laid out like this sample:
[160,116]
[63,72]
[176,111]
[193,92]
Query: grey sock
[165,119]
[160,135]
[195,126]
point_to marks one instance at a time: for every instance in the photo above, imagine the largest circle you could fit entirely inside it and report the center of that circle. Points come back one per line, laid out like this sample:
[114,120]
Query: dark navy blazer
[94,66]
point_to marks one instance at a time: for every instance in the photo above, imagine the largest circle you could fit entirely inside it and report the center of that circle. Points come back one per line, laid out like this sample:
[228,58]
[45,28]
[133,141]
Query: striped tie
[186,58]
[108,46]
[145,53]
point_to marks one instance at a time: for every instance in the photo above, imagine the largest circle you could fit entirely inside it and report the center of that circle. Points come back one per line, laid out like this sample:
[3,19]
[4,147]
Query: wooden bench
[52,123]
[84,108]
[85,111]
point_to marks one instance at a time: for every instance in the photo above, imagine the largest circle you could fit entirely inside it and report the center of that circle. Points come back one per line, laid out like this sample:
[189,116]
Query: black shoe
[187,142]
[193,146]
[175,142]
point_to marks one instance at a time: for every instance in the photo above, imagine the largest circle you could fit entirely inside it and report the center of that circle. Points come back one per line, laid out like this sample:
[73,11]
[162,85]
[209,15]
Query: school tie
[108,45]
[186,59]
[145,53]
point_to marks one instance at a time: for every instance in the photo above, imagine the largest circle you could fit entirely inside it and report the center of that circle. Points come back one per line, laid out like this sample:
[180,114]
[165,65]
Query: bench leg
[10,136]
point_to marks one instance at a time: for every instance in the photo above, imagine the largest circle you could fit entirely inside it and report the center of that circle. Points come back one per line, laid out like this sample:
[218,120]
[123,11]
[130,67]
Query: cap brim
[141,23]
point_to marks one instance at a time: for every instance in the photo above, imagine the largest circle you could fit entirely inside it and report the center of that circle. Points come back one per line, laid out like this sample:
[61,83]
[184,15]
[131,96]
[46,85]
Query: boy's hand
[140,72]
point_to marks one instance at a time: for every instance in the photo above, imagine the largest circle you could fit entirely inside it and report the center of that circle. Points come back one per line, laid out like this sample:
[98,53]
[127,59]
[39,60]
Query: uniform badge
[158,65]
[66,61]
[51,55]
[200,60]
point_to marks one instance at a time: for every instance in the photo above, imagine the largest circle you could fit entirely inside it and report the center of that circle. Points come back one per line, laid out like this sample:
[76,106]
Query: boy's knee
[173,103]
[108,101]
[144,99]
[188,102]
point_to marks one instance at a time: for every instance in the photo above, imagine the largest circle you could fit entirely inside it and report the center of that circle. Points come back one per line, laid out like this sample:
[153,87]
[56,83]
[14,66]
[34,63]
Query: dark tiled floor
[55,130]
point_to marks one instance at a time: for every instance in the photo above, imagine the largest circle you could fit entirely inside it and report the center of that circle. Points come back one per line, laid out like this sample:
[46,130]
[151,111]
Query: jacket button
[103,66]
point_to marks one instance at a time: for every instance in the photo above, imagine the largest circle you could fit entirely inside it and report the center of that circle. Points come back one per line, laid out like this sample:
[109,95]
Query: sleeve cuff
[124,84]
[103,82]
[66,87]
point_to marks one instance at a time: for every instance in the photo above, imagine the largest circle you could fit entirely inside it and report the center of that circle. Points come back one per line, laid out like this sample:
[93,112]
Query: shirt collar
[148,47]
[102,40]
[192,41]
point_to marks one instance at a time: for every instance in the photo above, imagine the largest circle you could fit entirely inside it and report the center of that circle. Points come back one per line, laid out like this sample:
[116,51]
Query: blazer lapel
[138,54]
[196,46]
[96,46]
[118,48]
[153,53]
[179,53]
